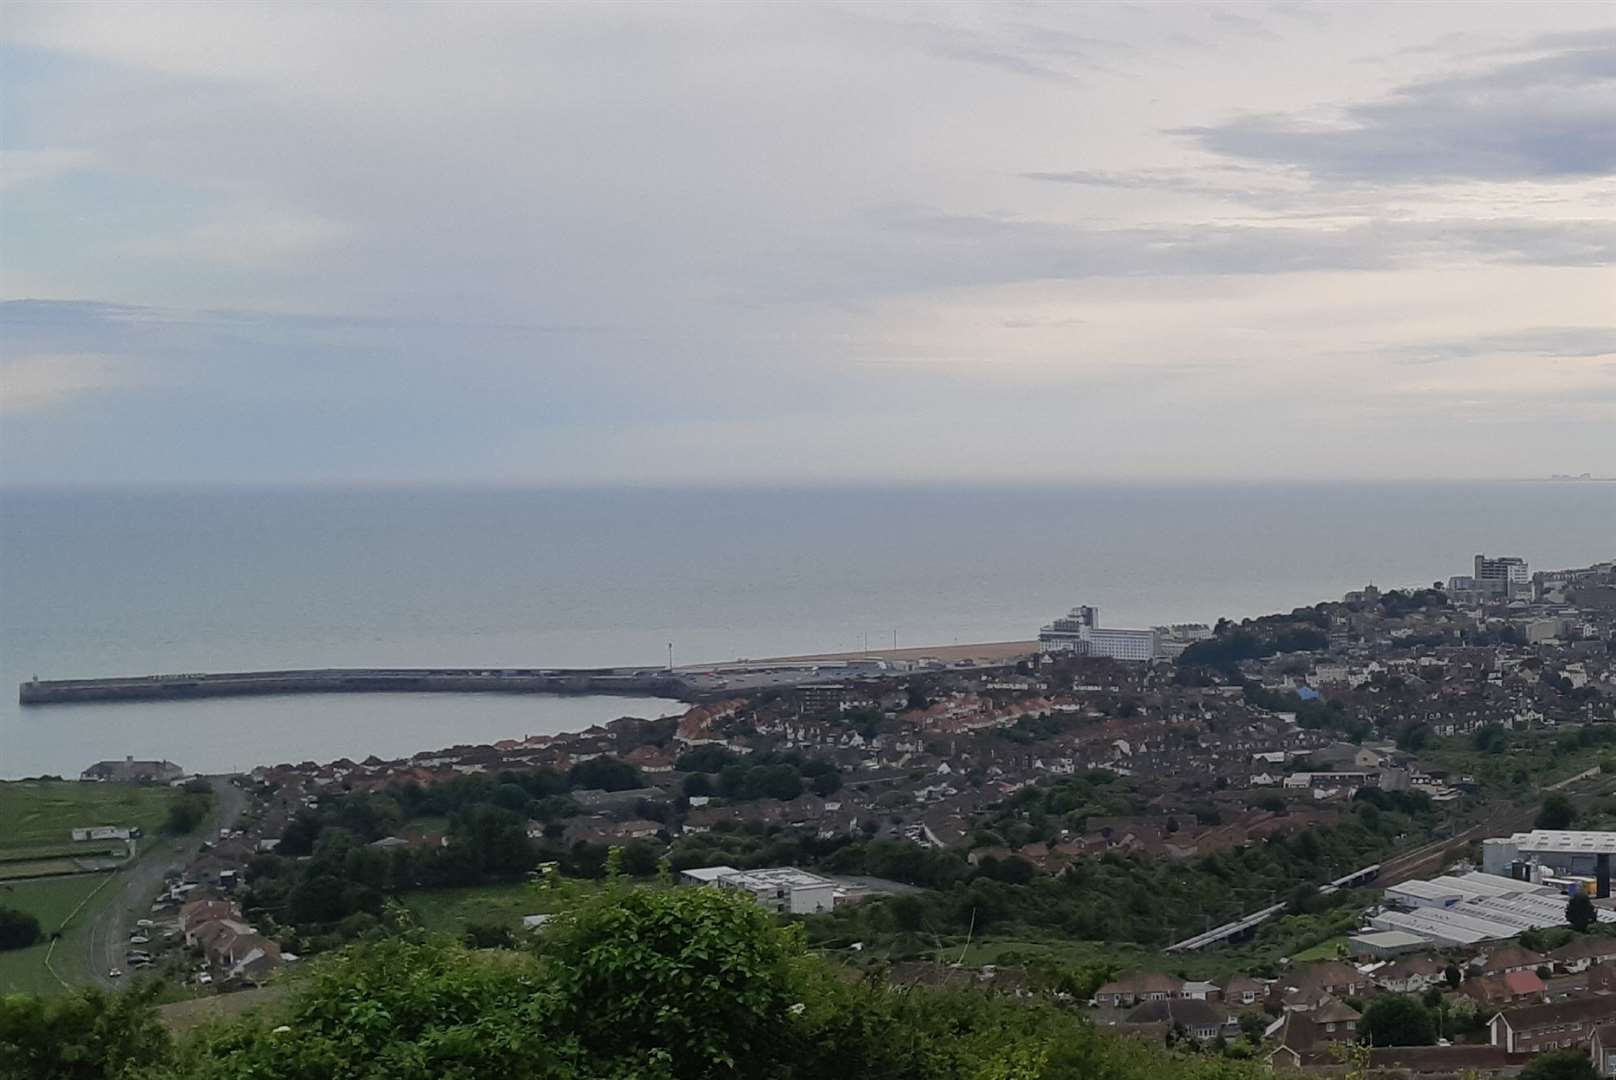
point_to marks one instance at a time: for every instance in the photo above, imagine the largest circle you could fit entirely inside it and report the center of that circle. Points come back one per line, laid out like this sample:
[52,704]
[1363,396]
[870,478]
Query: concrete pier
[626,681]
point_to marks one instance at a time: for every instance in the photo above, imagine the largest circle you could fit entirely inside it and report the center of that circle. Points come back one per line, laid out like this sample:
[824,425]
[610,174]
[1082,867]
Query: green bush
[18,929]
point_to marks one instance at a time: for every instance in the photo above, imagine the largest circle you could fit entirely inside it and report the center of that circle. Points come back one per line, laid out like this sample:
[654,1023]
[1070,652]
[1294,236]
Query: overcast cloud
[801,243]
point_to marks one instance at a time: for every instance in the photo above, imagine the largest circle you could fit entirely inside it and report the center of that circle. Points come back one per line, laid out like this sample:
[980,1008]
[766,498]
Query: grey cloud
[1543,342]
[1550,117]
[910,249]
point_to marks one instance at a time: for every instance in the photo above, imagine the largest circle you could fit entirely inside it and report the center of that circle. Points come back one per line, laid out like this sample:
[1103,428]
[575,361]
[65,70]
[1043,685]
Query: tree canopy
[1395,1020]
[18,929]
[1560,1065]
[1580,912]
[644,984]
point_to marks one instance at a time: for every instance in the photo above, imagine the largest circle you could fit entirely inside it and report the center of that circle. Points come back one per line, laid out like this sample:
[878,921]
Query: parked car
[204,979]
[139,939]
[114,973]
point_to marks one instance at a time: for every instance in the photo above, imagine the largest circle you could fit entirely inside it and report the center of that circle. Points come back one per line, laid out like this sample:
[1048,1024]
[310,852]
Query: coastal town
[1400,746]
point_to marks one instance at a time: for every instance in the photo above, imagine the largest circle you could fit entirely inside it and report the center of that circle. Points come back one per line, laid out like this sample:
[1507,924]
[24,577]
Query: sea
[102,583]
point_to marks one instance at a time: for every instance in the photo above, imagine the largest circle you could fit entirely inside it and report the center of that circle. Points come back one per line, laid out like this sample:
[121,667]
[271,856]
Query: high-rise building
[1081,633]
[1506,575]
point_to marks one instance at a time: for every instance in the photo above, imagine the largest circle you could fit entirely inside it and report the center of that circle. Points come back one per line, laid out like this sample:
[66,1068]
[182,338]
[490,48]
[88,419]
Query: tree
[1560,1065]
[1580,912]
[606,774]
[698,784]
[639,859]
[1453,976]
[1395,1020]
[487,936]
[1556,813]
[827,783]
[648,984]
[711,976]
[18,929]
[319,899]
[84,1035]
[185,814]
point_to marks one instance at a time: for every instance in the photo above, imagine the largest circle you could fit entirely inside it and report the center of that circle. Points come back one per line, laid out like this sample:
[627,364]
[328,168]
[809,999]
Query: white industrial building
[1081,634]
[1460,910]
[784,890]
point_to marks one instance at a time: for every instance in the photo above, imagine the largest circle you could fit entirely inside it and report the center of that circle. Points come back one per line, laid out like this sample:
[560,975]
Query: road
[113,919]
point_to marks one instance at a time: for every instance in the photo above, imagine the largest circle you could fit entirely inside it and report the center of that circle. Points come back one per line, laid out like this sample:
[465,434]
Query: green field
[51,902]
[43,813]
[33,868]
[1324,950]
[452,910]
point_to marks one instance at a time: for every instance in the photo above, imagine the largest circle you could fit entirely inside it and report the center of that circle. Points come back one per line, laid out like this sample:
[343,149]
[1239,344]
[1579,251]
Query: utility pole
[670,656]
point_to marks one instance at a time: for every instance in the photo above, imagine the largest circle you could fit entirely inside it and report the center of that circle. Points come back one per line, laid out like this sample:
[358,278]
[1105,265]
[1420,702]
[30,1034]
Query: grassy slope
[39,817]
[51,901]
[452,910]
[43,813]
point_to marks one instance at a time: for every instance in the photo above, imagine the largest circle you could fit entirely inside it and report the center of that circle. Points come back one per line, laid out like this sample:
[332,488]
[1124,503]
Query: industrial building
[1566,858]
[1463,910]
[1081,634]
[783,890]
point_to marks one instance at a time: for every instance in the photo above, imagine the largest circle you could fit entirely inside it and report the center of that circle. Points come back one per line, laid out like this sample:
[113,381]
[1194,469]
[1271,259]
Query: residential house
[130,771]
[1307,1038]
[1508,958]
[1200,991]
[1412,975]
[1243,991]
[1201,1020]
[1133,987]
[1443,1061]
[1516,988]
[1582,951]
[1602,1049]
[1532,1029]
[1308,986]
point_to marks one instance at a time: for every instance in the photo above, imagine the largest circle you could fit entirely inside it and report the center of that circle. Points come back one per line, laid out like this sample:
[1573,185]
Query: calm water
[133,583]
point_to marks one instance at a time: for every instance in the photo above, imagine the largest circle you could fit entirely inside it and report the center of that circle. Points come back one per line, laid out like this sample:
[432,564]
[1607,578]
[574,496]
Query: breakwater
[636,682]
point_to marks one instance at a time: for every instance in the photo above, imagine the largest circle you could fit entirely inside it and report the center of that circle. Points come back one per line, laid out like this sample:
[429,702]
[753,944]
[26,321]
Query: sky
[672,243]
